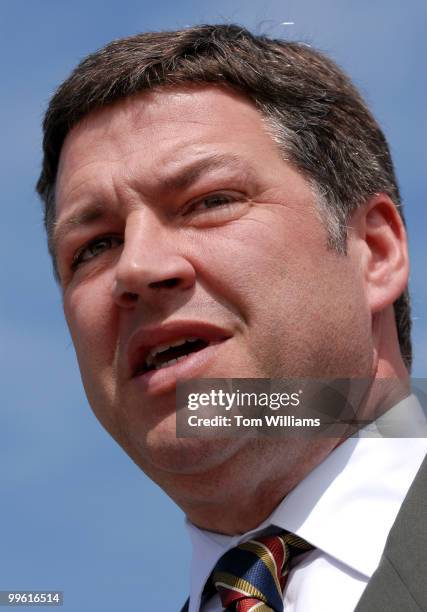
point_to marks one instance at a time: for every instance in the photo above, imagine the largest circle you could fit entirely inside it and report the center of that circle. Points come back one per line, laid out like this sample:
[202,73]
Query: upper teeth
[161,348]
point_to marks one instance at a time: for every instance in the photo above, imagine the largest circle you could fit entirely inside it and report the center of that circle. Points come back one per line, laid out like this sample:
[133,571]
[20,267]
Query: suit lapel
[186,606]
[399,581]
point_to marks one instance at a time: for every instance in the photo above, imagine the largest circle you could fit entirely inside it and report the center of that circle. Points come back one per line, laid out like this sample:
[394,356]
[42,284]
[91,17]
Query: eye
[95,247]
[215,209]
[215,200]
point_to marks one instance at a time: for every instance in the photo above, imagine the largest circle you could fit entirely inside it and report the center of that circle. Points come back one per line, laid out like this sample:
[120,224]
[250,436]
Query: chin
[162,452]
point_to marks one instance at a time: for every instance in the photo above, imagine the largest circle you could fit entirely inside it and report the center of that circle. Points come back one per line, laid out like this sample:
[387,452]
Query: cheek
[90,317]
[239,264]
[89,313]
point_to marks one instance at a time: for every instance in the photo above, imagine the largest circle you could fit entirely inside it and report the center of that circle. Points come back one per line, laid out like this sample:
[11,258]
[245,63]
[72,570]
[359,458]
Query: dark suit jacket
[400,582]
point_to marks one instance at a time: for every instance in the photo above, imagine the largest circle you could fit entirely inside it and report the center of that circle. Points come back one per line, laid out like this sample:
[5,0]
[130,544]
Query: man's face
[177,219]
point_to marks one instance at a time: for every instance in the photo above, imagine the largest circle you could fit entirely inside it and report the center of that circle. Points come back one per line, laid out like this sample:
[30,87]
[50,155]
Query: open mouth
[166,355]
[179,349]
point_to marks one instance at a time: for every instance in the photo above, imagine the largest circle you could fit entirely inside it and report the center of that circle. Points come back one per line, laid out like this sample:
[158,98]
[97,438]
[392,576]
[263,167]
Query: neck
[235,498]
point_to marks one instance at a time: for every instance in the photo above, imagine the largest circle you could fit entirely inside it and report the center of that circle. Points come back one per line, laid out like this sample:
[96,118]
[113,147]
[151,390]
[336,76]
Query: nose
[151,265]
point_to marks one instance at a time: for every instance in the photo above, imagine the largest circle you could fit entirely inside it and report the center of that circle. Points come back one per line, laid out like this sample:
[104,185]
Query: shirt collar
[345,507]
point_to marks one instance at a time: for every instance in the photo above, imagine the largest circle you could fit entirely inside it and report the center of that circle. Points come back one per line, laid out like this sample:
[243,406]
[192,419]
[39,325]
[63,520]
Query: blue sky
[76,514]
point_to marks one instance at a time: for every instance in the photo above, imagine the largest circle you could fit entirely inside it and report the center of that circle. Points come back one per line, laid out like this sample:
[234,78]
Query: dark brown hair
[314,113]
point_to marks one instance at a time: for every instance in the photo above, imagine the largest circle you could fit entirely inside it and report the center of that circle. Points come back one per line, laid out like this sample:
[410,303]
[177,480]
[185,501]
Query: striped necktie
[251,577]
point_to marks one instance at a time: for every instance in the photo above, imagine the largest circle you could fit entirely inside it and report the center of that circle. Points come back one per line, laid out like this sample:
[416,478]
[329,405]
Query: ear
[378,233]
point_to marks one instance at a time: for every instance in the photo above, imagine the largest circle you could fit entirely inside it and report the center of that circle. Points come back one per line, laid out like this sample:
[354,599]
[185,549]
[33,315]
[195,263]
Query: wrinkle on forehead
[145,113]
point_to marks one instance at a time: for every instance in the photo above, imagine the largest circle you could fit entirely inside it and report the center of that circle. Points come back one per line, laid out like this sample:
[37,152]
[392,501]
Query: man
[223,205]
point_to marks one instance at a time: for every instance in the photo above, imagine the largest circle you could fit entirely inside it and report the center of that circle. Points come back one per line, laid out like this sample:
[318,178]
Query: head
[316,116]
[239,191]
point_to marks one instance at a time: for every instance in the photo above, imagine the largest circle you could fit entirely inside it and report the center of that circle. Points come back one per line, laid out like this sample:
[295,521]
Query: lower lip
[164,380]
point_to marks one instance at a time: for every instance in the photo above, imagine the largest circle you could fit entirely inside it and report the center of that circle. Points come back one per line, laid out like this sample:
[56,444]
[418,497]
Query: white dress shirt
[345,508]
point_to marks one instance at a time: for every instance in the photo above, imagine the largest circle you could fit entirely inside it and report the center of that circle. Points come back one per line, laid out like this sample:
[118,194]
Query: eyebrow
[183,178]
[88,215]
[188,175]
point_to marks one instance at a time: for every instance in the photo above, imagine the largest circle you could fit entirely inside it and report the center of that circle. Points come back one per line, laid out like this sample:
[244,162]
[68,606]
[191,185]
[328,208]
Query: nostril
[168,283]
[129,298]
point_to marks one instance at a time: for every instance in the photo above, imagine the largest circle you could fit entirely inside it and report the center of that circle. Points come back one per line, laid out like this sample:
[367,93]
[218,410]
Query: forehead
[161,129]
